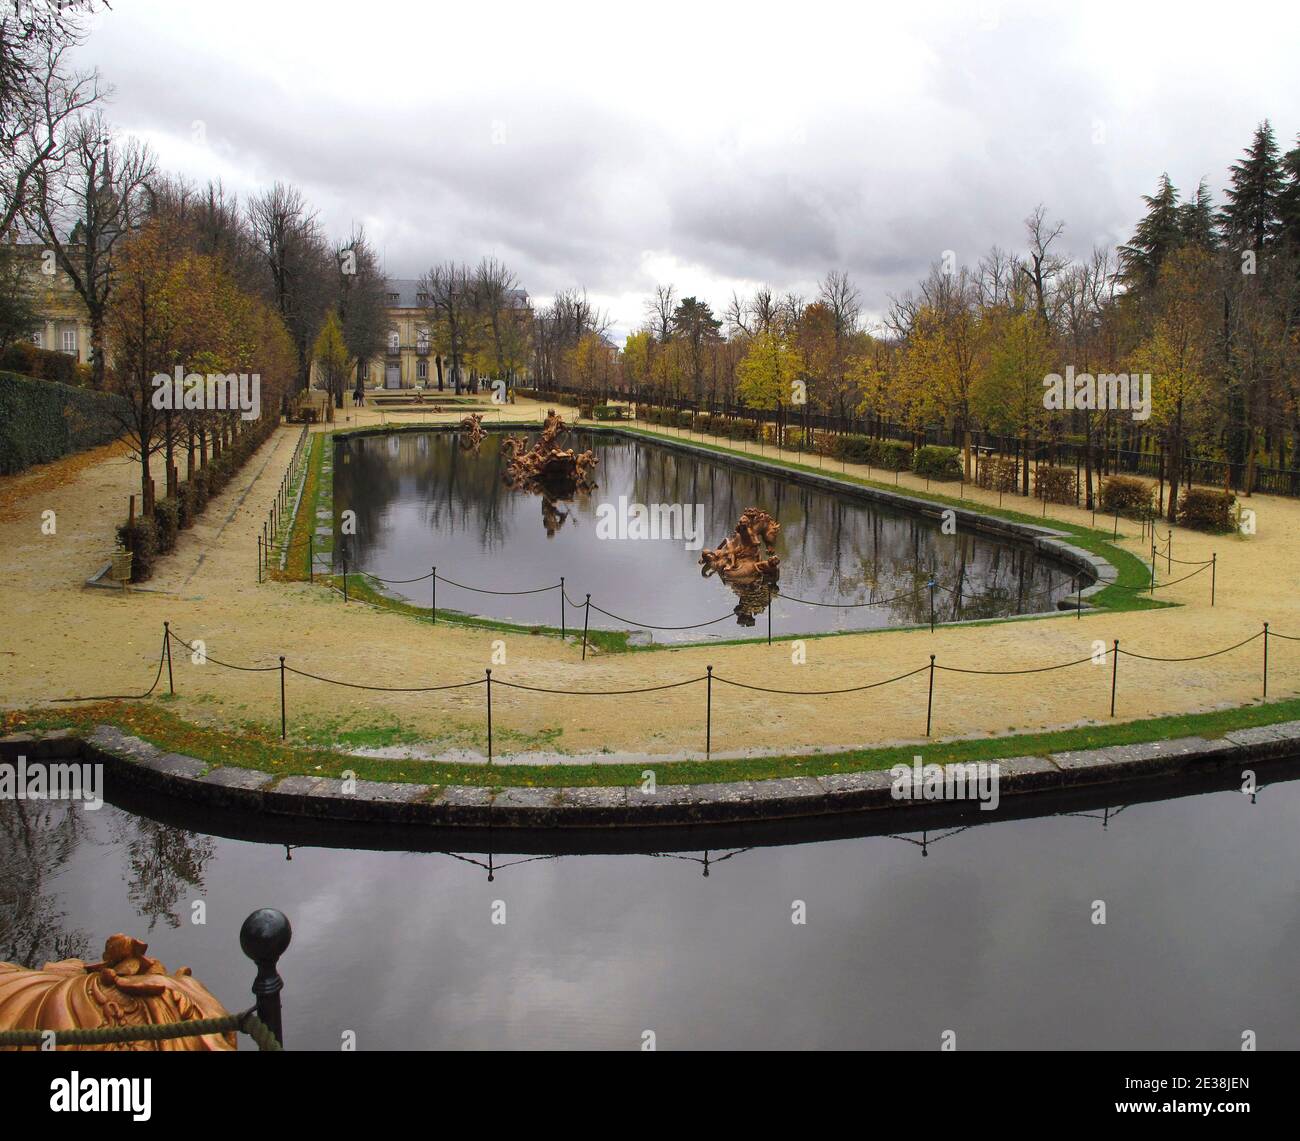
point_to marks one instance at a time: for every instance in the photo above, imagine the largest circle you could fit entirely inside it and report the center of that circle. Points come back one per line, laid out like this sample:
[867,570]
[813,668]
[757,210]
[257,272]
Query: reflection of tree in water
[164,863]
[869,552]
[37,839]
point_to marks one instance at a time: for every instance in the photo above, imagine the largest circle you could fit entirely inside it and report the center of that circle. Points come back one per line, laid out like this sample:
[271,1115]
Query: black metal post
[489,714]
[259,558]
[1214,573]
[931,585]
[769,613]
[433,597]
[1078,605]
[345,577]
[311,556]
[563,632]
[266,542]
[1114,675]
[586,617]
[282,714]
[264,937]
[1265,659]
[708,716]
[929,701]
[167,643]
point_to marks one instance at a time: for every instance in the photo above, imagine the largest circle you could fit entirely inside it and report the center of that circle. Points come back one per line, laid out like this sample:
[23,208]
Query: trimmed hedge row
[42,420]
[148,538]
[26,359]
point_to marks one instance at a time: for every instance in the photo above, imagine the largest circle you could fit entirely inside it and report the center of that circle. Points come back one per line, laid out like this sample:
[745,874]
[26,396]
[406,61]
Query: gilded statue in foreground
[127,988]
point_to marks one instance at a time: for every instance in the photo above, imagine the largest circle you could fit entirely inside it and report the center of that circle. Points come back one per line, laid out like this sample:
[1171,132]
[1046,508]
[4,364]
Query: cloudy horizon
[716,149]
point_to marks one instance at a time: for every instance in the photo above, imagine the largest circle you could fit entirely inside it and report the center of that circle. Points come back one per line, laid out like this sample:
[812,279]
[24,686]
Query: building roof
[408,290]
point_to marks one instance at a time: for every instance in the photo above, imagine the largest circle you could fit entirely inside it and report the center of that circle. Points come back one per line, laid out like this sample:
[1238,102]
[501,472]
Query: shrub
[936,462]
[1056,484]
[610,412]
[1203,509]
[892,455]
[166,517]
[41,420]
[1126,495]
[141,539]
[997,473]
[853,449]
[43,364]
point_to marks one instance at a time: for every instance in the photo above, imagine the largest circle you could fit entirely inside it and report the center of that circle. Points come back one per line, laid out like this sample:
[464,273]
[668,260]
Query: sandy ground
[59,638]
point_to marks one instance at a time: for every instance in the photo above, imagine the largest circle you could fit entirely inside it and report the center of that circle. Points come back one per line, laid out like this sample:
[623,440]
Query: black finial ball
[265,935]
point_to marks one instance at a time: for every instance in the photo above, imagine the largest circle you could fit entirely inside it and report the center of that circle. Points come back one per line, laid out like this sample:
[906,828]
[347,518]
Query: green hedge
[41,420]
[26,359]
[936,462]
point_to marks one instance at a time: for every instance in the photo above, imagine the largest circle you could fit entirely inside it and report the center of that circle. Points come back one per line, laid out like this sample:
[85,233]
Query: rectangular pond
[424,499]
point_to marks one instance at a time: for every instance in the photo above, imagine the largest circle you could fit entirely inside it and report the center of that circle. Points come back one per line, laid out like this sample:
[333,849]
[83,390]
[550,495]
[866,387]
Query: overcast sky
[711,145]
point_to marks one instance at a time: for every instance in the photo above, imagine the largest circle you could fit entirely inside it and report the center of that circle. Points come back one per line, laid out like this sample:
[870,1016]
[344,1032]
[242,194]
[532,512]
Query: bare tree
[84,208]
[298,262]
[40,95]
[451,300]
[1043,265]
[660,311]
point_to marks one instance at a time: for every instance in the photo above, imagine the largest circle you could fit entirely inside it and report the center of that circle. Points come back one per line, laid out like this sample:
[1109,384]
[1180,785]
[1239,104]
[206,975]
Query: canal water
[421,500]
[987,929]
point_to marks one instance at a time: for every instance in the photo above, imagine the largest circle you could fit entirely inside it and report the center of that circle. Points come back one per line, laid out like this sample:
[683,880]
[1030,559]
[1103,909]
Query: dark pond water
[984,930]
[421,500]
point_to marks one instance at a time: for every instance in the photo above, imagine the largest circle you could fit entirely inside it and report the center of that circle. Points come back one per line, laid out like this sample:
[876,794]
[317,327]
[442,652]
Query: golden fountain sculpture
[546,464]
[738,561]
[125,989]
[472,430]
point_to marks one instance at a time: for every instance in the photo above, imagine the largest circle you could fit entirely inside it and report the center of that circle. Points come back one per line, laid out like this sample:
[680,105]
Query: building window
[38,338]
[422,341]
[422,369]
[394,297]
[70,341]
[394,341]
[422,298]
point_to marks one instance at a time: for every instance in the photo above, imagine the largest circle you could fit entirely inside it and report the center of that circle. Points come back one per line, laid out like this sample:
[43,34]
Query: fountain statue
[472,430]
[127,988]
[546,464]
[548,470]
[737,560]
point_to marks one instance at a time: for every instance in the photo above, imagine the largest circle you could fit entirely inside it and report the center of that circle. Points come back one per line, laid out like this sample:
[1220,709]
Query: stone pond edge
[144,765]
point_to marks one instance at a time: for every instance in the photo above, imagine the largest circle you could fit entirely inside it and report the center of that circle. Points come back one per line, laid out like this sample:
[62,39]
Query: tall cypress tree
[1250,217]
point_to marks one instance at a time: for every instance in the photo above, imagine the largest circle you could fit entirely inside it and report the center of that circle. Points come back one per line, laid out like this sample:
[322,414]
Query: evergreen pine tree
[1288,201]
[1250,217]
[1197,223]
[1156,235]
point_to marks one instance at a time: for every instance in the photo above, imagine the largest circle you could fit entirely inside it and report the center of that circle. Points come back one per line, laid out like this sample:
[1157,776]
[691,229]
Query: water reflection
[914,925]
[420,500]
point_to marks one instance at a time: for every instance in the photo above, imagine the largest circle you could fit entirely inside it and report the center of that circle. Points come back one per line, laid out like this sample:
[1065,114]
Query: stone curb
[139,763]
